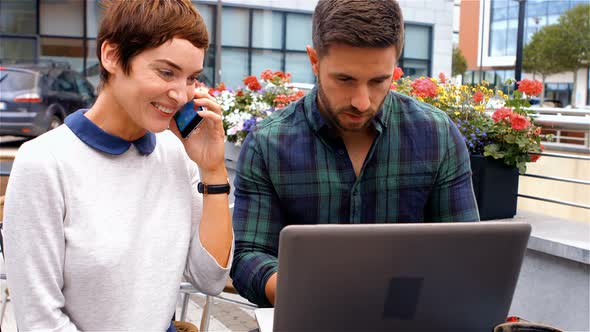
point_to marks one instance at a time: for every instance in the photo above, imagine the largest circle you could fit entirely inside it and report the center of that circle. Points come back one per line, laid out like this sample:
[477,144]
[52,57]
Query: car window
[65,82]
[83,87]
[11,80]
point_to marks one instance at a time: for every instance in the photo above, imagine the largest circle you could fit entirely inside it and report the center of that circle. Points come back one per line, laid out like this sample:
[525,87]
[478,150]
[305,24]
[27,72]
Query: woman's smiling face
[160,81]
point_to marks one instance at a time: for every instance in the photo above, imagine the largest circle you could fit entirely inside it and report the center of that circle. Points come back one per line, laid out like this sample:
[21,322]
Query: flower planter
[496,187]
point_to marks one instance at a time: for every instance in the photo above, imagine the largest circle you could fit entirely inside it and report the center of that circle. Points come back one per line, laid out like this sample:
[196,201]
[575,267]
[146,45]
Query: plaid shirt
[294,169]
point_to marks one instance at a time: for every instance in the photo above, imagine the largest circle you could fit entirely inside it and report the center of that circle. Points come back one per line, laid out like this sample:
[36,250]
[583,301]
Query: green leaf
[522,141]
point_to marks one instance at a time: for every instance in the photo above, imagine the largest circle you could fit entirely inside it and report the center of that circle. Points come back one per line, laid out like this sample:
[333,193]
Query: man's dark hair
[358,23]
[138,25]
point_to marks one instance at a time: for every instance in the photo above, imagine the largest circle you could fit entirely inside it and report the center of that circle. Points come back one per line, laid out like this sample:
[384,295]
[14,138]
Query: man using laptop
[351,151]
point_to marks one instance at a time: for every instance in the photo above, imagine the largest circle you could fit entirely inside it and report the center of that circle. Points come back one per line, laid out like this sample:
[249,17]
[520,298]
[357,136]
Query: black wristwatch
[208,189]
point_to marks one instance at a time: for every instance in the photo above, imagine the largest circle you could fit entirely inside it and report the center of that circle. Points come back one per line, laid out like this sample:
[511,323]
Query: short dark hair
[136,26]
[358,23]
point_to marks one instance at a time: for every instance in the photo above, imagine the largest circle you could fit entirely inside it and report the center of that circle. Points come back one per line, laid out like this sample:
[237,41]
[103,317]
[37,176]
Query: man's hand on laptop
[271,288]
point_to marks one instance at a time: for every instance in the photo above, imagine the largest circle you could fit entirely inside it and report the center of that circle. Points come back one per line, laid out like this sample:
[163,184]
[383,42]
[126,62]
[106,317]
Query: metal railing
[570,127]
[560,179]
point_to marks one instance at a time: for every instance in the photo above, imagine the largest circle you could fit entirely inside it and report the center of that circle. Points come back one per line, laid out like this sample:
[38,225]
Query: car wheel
[55,122]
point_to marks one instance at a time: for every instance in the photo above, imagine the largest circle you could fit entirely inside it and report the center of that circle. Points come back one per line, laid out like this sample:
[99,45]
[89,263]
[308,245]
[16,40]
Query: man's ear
[109,57]
[313,59]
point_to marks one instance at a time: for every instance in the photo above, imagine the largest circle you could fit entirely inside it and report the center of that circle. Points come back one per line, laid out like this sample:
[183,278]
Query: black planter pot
[496,187]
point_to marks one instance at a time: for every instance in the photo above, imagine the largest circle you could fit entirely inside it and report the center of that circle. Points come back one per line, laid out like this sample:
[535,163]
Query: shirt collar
[317,121]
[100,140]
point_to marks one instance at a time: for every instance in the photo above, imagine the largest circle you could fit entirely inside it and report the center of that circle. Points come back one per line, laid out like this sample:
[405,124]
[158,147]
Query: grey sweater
[98,242]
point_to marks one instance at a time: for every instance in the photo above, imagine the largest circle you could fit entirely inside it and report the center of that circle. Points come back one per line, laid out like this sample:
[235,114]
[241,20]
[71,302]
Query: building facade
[253,35]
[488,40]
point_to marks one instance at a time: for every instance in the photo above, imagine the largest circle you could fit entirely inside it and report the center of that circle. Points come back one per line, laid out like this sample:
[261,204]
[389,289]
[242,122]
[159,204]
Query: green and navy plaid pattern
[294,169]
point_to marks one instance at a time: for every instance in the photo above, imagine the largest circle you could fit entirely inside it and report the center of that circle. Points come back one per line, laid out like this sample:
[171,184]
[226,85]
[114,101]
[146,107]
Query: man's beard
[331,115]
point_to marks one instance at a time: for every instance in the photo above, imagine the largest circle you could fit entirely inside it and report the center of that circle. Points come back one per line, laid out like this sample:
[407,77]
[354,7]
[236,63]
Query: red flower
[536,157]
[424,87]
[442,77]
[266,75]
[478,97]
[240,93]
[518,122]
[252,83]
[530,87]
[283,76]
[220,87]
[501,114]
[397,73]
[299,94]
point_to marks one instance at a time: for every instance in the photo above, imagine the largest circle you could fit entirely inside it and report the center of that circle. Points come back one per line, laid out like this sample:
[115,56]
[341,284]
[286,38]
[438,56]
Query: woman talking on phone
[104,215]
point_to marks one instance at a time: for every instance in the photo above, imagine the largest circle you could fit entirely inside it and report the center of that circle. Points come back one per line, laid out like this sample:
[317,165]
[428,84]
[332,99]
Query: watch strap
[208,189]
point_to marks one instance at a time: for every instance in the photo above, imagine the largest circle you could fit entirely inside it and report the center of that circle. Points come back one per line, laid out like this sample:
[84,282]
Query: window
[504,21]
[92,67]
[298,31]
[416,56]
[94,13]
[67,50]
[62,18]
[208,14]
[267,29]
[561,92]
[208,74]
[11,80]
[255,40]
[235,23]
[64,83]
[417,42]
[18,48]
[18,16]
[298,65]
[263,59]
[234,66]
[85,89]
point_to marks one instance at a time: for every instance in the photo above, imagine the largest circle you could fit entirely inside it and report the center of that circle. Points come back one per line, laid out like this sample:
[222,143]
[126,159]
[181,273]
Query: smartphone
[187,119]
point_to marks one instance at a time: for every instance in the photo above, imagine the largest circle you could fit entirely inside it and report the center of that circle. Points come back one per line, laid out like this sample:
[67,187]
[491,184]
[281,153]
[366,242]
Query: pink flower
[424,87]
[501,114]
[478,97]
[442,77]
[518,122]
[530,87]
[393,86]
[397,73]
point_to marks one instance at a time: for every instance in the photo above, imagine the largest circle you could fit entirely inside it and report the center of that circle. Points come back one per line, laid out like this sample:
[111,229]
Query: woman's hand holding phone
[205,145]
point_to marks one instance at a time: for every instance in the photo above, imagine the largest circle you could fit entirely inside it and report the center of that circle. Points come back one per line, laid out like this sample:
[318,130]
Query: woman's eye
[166,73]
[193,79]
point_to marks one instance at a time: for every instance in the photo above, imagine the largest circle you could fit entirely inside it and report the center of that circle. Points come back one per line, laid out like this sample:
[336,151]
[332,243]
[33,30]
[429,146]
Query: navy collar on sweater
[100,140]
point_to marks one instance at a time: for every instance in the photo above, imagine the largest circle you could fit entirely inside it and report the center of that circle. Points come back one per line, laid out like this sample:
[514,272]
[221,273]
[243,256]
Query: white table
[264,318]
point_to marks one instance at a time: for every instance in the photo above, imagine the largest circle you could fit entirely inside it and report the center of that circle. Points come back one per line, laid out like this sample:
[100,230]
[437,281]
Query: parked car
[35,98]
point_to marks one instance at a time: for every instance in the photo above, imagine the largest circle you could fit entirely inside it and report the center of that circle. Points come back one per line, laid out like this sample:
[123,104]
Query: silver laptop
[398,277]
